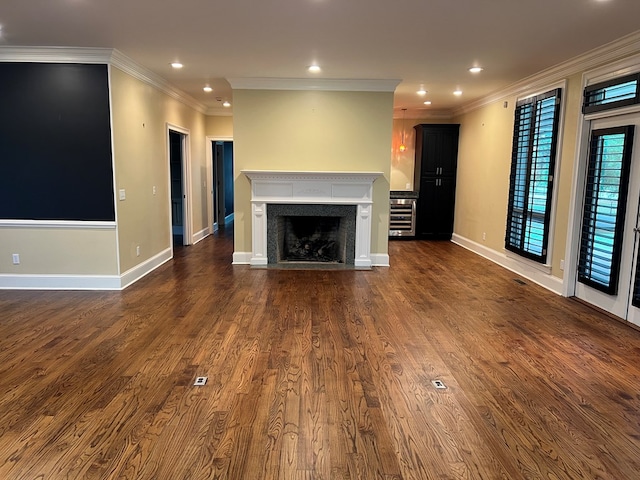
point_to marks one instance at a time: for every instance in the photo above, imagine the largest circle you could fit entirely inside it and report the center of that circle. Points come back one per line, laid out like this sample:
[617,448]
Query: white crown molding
[219,112]
[130,67]
[610,52]
[423,114]
[323,84]
[55,54]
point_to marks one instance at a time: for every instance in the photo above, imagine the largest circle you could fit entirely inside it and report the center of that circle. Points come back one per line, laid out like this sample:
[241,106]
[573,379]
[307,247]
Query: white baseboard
[201,235]
[533,274]
[136,273]
[379,260]
[241,258]
[83,282]
[59,282]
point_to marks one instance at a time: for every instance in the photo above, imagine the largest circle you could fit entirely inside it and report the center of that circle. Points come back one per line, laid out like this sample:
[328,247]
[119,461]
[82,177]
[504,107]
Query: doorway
[222,161]
[607,266]
[179,185]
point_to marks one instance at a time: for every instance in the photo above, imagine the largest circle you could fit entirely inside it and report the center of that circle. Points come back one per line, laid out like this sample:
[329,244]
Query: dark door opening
[222,154]
[176,160]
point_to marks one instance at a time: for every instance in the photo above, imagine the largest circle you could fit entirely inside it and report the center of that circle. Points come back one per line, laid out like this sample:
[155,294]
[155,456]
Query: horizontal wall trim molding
[618,49]
[136,273]
[61,224]
[320,84]
[549,282]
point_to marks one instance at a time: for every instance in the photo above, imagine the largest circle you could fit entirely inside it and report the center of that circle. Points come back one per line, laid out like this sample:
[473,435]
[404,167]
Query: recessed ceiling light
[457,93]
[226,104]
[427,102]
[475,69]
[422,91]
[207,89]
[314,68]
[176,65]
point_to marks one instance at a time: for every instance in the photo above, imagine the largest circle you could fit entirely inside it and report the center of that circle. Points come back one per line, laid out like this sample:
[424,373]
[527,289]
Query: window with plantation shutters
[531,181]
[616,93]
[604,208]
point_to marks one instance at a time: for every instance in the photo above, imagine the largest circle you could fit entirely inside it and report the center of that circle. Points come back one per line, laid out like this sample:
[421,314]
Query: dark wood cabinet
[435,179]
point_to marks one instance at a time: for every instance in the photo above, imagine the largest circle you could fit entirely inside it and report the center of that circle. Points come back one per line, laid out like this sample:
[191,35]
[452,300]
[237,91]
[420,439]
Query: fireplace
[311,233]
[347,195]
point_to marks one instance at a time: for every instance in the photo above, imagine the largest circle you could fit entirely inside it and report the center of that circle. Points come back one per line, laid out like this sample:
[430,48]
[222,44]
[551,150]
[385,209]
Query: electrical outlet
[408,186]
[122,195]
[562,264]
[137,250]
[154,189]
[16,258]
[484,235]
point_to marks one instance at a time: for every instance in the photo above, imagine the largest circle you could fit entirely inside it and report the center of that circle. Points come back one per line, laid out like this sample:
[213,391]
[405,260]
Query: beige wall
[219,126]
[484,162]
[59,250]
[312,131]
[141,114]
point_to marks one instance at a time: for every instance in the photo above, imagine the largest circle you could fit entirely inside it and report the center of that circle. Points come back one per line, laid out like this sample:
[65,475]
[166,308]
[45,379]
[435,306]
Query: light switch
[121,194]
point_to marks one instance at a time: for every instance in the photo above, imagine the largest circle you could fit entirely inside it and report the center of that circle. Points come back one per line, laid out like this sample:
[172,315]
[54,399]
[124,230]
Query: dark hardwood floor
[317,375]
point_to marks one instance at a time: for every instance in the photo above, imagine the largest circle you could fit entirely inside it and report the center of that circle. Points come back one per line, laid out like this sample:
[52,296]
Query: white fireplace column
[324,188]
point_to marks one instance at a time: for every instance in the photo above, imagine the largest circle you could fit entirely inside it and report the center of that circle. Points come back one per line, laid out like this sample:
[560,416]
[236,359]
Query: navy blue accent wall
[55,142]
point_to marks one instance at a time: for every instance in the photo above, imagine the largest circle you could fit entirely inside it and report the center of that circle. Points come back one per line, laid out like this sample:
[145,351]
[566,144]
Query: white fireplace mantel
[341,188]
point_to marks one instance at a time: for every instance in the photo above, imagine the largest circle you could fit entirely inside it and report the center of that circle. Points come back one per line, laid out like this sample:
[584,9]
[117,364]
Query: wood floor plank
[316,374]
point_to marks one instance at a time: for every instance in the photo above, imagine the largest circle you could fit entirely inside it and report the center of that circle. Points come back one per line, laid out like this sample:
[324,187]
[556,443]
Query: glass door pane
[604,208]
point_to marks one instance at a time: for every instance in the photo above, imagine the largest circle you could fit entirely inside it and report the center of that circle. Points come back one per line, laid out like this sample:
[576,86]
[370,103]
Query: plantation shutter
[531,179]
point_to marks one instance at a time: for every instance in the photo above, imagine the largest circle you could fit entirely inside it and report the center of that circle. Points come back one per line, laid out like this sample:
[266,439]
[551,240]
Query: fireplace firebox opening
[311,239]
[311,233]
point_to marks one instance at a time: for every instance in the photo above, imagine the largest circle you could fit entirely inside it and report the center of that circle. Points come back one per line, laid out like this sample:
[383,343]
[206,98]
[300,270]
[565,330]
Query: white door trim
[572,245]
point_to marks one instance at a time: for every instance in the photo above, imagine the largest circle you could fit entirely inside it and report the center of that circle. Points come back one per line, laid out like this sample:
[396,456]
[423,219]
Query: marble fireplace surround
[317,188]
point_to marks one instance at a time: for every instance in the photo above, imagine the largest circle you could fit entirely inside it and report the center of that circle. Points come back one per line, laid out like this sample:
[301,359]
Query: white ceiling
[420,42]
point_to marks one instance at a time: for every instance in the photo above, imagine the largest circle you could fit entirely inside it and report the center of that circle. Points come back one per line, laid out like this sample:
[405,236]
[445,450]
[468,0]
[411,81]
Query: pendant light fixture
[402,146]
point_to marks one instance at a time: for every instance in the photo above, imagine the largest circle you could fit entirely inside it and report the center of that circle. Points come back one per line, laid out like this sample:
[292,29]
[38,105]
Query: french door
[608,272]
